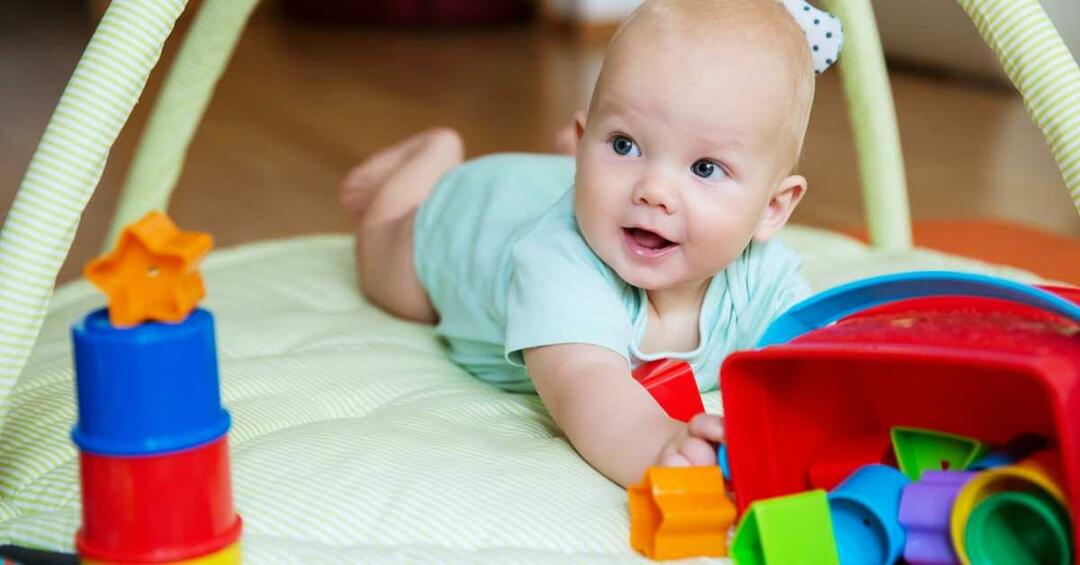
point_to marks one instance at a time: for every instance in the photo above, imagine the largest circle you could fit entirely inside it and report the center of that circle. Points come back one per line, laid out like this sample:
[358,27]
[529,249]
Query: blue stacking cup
[865,509]
[149,389]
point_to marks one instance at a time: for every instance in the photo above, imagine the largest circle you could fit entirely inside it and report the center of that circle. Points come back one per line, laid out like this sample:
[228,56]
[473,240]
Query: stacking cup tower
[152,434]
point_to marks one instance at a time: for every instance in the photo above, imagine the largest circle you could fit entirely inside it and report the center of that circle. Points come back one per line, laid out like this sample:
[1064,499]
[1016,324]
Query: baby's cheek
[596,210]
[594,224]
[717,244]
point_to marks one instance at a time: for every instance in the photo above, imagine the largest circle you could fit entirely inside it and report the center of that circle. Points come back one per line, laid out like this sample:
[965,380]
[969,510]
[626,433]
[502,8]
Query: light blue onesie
[498,249]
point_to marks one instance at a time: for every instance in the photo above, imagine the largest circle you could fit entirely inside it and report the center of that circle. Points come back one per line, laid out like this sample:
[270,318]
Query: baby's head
[694,129]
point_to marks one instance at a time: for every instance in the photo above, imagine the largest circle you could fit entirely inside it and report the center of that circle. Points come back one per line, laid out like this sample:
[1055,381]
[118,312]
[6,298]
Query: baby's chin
[676,274]
[651,280]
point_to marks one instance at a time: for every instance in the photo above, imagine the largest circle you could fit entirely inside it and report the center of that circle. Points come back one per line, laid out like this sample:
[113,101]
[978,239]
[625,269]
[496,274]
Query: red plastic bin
[979,367]
[165,507]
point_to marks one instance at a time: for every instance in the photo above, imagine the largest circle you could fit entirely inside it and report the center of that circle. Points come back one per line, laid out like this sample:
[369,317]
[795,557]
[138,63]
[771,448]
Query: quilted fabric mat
[354,439]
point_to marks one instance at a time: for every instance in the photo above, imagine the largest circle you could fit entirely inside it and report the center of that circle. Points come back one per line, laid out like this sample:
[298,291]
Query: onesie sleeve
[770,282]
[560,292]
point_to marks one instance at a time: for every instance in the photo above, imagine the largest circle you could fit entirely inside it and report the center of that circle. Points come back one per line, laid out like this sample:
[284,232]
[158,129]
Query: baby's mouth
[647,243]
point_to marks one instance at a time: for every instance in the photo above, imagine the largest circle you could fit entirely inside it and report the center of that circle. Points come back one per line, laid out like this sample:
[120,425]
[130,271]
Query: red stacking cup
[163,507]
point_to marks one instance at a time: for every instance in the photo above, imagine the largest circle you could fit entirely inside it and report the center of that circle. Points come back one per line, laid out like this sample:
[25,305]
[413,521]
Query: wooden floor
[301,103]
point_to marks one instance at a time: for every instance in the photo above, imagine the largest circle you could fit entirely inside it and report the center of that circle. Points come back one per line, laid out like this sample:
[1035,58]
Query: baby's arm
[612,420]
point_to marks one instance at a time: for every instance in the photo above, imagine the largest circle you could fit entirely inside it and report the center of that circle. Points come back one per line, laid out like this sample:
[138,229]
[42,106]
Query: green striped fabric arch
[873,124]
[66,167]
[1046,74]
[179,109]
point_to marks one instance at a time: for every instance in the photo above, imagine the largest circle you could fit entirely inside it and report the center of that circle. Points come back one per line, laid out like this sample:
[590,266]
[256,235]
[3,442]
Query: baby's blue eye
[625,146]
[707,169]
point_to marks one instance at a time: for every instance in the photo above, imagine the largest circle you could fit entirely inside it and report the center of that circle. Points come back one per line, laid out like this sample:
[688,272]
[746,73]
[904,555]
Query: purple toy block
[925,508]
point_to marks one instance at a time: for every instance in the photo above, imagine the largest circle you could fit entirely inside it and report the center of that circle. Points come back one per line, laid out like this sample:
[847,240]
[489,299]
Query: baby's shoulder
[766,272]
[760,258]
[555,253]
[773,264]
[554,235]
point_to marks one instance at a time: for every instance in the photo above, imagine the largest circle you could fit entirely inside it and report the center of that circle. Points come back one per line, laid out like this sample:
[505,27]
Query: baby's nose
[653,193]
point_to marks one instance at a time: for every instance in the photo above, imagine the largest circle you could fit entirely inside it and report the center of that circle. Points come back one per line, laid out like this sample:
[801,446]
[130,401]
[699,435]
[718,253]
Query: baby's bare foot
[363,181]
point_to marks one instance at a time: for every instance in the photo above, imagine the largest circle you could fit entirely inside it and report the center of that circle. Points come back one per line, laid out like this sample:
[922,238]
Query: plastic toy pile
[950,501]
[931,418]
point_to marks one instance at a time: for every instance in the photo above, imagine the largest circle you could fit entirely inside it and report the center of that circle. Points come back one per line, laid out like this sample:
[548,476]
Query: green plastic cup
[919,450]
[1017,528]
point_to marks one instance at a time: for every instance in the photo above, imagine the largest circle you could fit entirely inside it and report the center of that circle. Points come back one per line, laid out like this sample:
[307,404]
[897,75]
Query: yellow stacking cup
[1030,475]
[229,555]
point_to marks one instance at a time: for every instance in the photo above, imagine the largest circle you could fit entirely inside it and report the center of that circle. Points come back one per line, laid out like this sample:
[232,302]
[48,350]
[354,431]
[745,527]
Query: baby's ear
[785,198]
[579,124]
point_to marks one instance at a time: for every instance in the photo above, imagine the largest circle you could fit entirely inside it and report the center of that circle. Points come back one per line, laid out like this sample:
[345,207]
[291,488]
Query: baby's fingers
[707,426]
[672,457]
[698,452]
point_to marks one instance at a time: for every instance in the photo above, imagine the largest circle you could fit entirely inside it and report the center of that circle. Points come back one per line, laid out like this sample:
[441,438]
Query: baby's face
[683,149]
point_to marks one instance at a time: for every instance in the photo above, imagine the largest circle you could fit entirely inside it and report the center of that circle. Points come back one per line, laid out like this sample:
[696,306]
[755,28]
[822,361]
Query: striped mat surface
[354,438]
[106,84]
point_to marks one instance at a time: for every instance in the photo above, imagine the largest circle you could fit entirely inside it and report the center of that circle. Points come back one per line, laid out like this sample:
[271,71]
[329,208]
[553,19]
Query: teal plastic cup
[1017,528]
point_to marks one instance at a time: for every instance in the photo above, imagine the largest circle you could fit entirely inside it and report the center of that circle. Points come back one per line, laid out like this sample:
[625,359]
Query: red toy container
[984,368]
[154,508]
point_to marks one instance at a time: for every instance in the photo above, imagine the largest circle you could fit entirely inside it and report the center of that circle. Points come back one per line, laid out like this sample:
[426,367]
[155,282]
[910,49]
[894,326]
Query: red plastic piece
[142,508]
[974,305]
[838,460]
[671,382]
[978,367]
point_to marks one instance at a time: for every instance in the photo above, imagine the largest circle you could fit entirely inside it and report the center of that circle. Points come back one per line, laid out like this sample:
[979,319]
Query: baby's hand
[694,444]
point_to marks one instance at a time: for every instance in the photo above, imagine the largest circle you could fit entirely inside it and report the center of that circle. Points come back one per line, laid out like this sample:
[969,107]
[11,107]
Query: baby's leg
[382,195]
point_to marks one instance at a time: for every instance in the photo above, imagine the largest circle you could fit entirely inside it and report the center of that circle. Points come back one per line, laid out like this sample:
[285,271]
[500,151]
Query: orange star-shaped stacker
[152,273]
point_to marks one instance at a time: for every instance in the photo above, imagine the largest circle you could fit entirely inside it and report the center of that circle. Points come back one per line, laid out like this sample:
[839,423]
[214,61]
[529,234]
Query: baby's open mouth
[647,243]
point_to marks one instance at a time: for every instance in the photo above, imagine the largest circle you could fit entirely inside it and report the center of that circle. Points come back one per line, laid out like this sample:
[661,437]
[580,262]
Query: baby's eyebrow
[722,136]
[727,142]
[609,105]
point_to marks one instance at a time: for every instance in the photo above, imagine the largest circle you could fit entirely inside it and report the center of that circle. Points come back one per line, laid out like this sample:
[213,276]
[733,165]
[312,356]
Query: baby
[559,275]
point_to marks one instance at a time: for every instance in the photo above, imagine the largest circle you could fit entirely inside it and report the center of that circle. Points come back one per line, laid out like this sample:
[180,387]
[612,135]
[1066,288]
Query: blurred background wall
[935,33]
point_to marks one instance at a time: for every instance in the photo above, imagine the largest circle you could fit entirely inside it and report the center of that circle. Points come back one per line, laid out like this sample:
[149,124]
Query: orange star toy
[152,273]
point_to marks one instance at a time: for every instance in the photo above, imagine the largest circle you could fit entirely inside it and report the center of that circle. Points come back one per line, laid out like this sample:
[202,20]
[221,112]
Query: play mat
[354,438]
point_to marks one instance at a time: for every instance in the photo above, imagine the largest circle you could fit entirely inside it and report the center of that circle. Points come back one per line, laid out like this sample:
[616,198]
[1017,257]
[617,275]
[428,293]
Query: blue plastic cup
[149,389]
[865,509]
[722,461]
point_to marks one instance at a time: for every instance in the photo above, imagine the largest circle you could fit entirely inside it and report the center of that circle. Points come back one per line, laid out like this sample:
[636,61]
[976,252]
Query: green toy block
[918,450]
[789,530]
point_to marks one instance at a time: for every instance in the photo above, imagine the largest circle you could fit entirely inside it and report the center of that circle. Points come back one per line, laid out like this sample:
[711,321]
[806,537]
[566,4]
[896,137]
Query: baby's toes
[357,177]
[356,187]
